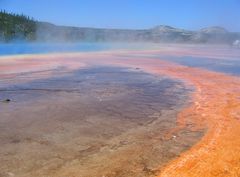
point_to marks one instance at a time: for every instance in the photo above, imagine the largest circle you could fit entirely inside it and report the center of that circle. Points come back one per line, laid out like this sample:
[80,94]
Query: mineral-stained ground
[118,114]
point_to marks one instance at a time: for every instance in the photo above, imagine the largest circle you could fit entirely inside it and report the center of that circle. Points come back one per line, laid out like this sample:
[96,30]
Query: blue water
[39,48]
[226,66]
[220,65]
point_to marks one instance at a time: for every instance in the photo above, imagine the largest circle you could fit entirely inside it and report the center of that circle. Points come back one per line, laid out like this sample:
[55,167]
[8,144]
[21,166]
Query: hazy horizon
[191,15]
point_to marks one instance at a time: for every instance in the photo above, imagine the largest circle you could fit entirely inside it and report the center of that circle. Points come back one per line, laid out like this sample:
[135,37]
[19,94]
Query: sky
[131,14]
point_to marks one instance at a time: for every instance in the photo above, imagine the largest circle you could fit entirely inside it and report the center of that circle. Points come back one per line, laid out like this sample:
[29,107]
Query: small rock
[7,100]
[174,136]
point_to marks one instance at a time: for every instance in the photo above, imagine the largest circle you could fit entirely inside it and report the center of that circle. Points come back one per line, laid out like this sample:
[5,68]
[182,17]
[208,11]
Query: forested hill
[17,27]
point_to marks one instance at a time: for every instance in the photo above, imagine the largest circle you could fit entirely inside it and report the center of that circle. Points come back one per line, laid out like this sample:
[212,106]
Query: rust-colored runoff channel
[216,106]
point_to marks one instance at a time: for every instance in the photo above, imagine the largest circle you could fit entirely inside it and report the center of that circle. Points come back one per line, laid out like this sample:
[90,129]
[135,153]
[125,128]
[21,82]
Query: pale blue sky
[190,14]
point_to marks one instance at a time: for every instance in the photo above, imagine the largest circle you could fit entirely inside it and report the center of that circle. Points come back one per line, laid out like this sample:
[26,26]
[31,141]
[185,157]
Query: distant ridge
[19,27]
[214,29]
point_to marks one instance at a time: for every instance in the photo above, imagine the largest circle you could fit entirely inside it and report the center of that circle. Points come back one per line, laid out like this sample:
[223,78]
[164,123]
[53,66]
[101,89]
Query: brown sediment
[216,107]
[93,122]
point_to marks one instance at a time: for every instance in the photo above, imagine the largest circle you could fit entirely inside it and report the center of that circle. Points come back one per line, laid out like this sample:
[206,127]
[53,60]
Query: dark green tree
[16,27]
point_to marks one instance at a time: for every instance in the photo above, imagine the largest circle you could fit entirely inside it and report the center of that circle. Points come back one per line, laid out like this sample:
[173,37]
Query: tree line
[16,27]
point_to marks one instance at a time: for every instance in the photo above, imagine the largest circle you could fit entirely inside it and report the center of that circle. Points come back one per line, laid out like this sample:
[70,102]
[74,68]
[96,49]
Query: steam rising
[159,34]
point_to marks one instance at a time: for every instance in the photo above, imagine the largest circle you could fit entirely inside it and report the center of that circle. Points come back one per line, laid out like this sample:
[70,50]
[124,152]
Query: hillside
[211,35]
[16,27]
[20,27]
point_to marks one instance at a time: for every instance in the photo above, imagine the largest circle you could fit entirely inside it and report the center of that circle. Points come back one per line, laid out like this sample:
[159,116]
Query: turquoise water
[37,48]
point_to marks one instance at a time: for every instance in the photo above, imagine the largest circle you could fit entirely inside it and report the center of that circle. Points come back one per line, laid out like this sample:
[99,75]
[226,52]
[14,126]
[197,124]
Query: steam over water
[39,48]
[220,65]
[228,66]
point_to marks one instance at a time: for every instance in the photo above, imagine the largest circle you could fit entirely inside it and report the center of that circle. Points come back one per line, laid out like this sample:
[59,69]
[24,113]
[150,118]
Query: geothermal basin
[119,114]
